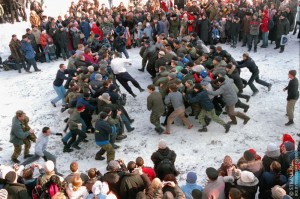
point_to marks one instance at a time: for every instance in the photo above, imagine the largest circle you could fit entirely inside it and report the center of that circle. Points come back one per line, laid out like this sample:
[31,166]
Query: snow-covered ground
[195,151]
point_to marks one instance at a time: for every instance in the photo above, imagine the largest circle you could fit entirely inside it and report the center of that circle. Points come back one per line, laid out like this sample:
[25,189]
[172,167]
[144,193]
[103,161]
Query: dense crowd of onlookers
[185,73]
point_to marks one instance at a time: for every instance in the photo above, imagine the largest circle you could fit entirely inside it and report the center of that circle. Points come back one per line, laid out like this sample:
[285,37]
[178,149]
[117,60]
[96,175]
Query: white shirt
[118,65]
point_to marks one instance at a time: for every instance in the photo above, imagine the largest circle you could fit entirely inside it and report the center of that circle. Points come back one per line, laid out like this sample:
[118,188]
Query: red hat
[257,157]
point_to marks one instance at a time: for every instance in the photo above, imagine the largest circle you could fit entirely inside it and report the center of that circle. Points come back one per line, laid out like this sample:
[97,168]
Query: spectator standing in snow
[29,54]
[293,95]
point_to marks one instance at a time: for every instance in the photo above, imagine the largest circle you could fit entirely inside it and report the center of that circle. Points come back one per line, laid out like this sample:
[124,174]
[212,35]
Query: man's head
[139,162]
[74,167]
[46,131]
[131,166]
[62,67]
[14,37]
[20,115]
[151,88]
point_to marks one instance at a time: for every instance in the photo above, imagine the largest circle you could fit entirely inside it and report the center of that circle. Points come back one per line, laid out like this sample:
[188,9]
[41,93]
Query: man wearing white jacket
[41,146]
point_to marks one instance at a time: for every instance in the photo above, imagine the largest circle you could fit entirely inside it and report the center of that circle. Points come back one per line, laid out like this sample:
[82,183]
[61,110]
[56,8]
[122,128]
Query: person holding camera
[41,148]
[75,172]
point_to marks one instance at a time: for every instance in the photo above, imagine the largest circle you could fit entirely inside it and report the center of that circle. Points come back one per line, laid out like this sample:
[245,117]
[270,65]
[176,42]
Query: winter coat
[75,35]
[293,89]
[235,29]
[131,184]
[155,103]
[254,166]
[113,180]
[74,120]
[267,161]
[120,30]
[27,50]
[15,49]
[254,26]
[233,73]
[32,40]
[248,63]
[265,22]
[175,99]
[267,181]
[246,25]
[155,157]
[214,189]
[282,27]
[44,40]
[17,135]
[157,28]
[228,93]
[188,188]
[174,27]
[37,36]
[85,29]
[62,38]
[165,26]
[102,131]
[16,191]
[204,29]
[248,192]
[35,20]
[120,44]
[202,99]
[150,55]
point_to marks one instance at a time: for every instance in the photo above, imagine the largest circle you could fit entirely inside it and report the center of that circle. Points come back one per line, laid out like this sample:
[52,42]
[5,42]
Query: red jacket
[44,40]
[96,30]
[89,58]
[265,22]
[149,172]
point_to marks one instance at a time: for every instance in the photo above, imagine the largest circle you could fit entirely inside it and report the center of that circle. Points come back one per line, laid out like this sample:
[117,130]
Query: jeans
[47,58]
[265,39]
[60,91]
[31,62]
[69,134]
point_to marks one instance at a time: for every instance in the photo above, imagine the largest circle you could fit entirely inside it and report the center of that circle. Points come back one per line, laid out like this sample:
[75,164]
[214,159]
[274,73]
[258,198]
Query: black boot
[99,155]
[204,129]
[290,122]
[227,127]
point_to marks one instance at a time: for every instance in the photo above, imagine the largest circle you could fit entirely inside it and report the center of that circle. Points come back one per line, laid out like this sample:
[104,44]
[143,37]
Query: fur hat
[105,96]
[10,176]
[212,173]
[162,144]
[278,192]
[191,177]
[49,166]
[98,76]
[272,150]
[289,146]
[113,165]
[247,179]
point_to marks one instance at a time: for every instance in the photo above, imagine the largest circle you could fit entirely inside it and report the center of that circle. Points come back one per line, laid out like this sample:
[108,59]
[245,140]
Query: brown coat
[35,20]
[15,49]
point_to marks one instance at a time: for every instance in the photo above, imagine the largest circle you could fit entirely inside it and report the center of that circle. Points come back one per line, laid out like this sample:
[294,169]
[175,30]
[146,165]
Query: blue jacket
[120,30]
[188,188]
[102,132]
[85,29]
[27,50]
[203,100]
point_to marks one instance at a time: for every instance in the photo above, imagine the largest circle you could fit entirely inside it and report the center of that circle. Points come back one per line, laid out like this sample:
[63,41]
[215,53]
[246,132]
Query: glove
[60,134]
[45,158]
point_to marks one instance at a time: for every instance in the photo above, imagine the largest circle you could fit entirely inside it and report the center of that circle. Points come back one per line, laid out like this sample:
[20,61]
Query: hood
[266,12]
[287,138]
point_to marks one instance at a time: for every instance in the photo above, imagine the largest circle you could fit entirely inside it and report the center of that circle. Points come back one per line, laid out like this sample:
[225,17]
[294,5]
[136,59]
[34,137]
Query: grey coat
[228,93]
[176,99]
[17,134]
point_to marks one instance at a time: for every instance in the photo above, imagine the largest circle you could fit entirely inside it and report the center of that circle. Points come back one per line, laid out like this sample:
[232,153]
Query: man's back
[131,184]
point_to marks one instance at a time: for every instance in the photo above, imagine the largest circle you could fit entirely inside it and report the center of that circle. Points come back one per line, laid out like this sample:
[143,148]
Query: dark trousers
[277,42]
[20,65]
[31,62]
[255,77]
[73,141]
[124,78]
[252,39]
[151,69]
[245,38]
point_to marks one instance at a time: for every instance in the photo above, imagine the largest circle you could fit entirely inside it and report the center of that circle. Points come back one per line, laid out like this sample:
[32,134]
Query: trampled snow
[195,151]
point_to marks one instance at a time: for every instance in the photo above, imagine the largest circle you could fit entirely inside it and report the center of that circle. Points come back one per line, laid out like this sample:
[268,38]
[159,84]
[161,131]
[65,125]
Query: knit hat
[98,76]
[80,107]
[162,144]
[247,179]
[172,75]
[10,176]
[191,177]
[105,96]
[49,166]
[113,165]
[212,173]
[3,194]
[272,150]
[278,192]
[289,146]
[103,115]
[197,194]
[293,73]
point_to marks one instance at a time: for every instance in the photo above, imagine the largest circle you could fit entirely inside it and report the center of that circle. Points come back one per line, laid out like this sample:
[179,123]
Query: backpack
[165,166]
[270,24]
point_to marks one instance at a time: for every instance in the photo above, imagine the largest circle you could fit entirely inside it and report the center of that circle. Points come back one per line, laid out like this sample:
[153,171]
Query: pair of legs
[36,157]
[211,114]
[18,150]
[73,141]
[61,92]
[110,152]
[255,77]
[290,107]
[124,78]
[265,39]
[252,39]
[155,120]
[233,114]
[179,112]
[31,62]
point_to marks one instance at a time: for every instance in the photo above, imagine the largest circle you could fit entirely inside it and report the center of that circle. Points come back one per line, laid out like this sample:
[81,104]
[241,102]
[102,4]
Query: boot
[204,129]
[290,122]
[99,155]
[141,90]
[227,127]
[121,137]
[233,120]
[67,150]
[243,116]
[159,130]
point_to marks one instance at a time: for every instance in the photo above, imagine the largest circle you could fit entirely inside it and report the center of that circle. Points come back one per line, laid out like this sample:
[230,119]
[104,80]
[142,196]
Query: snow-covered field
[195,151]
